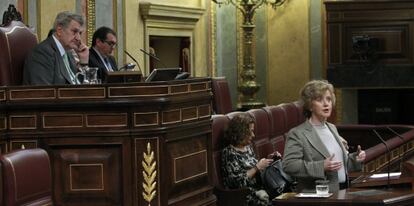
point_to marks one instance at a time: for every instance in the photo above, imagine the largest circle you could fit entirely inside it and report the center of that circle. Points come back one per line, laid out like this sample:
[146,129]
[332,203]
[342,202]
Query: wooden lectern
[366,190]
[134,144]
[354,197]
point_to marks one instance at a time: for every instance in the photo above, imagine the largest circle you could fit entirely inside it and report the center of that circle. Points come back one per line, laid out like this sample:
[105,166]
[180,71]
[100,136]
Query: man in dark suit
[102,51]
[51,62]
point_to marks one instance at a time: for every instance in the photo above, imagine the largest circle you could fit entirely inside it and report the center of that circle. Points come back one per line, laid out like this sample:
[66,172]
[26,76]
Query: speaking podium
[366,189]
[396,180]
[354,197]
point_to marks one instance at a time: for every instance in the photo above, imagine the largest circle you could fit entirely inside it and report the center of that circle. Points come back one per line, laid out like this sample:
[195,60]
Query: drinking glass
[322,187]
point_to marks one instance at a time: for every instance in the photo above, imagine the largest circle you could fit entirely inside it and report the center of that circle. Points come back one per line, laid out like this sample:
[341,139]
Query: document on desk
[383,175]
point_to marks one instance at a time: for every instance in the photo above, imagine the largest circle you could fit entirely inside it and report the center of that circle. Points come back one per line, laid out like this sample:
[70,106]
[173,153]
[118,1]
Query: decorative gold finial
[149,173]
[249,86]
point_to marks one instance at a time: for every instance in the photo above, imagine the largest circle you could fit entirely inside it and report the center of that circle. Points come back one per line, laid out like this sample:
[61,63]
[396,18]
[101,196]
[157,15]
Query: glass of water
[322,187]
[91,75]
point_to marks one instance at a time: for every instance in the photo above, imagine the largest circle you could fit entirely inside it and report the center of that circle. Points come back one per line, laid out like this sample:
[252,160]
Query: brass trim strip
[144,113]
[184,156]
[23,116]
[86,165]
[109,125]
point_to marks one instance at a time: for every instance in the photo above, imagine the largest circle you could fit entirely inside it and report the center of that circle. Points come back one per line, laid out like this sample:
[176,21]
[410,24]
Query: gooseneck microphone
[154,57]
[133,59]
[403,143]
[389,157]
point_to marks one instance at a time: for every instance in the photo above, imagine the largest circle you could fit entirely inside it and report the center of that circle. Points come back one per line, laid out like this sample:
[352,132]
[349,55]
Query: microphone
[389,157]
[127,66]
[133,59]
[154,57]
[403,143]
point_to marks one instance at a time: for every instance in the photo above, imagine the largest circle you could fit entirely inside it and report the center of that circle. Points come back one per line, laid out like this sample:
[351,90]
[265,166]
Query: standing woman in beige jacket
[314,150]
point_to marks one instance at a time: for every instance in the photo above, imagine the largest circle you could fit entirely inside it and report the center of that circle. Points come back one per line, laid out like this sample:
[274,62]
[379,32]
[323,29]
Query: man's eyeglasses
[110,43]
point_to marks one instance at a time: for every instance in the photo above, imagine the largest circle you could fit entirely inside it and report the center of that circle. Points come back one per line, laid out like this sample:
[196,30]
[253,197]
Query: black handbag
[275,180]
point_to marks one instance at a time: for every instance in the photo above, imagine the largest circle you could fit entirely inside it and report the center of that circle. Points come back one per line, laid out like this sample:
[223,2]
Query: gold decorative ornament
[149,174]
[91,21]
[248,86]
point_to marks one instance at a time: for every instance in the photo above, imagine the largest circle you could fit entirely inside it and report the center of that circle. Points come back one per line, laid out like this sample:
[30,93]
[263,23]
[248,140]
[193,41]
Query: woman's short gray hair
[313,90]
[64,18]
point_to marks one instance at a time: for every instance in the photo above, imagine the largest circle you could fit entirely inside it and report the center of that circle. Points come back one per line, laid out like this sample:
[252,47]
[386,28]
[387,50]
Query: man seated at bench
[51,61]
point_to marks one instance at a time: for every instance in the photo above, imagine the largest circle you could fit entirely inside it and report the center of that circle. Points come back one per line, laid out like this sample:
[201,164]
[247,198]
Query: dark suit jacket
[45,66]
[305,154]
[95,61]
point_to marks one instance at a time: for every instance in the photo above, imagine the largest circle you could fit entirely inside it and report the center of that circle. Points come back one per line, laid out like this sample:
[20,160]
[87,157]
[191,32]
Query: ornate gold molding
[149,174]
[213,36]
[91,20]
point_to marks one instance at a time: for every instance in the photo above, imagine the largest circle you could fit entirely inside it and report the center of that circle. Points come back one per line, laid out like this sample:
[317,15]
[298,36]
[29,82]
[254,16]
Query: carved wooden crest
[10,15]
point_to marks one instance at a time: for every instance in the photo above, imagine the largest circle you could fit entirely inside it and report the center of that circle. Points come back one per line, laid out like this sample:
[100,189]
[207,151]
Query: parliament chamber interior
[149,131]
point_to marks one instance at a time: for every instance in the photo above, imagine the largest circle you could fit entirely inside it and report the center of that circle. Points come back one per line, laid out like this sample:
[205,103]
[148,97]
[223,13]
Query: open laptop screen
[163,74]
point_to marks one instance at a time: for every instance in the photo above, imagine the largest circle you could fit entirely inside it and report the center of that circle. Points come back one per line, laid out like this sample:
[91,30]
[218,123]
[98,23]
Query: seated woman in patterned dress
[239,164]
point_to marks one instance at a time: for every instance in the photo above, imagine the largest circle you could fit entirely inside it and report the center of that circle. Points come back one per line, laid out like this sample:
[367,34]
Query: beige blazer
[304,156]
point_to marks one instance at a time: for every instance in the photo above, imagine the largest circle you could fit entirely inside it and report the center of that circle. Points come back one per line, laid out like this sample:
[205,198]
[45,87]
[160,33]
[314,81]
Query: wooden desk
[99,137]
[355,197]
[400,181]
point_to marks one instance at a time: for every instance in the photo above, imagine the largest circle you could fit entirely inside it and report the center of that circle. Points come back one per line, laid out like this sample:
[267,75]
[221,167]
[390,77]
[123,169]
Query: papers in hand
[383,175]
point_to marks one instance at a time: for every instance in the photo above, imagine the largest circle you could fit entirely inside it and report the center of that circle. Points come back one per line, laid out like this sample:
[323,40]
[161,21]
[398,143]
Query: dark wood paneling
[62,120]
[3,122]
[2,95]
[22,121]
[146,119]
[171,116]
[73,93]
[97,138]
[107,120]
[204,111]
[198,162]
[334,36]
[189,113]
[23,144]
[3,147]
[179,89]
[188,163]
[87,174]
[390,23]
[28,94]
[393,45]
[137,91]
